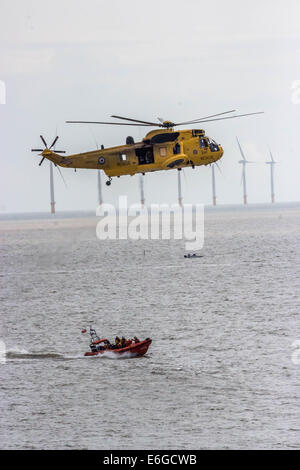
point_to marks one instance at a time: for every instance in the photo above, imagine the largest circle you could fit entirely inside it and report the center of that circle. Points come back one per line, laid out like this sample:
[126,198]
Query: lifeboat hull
[135,349]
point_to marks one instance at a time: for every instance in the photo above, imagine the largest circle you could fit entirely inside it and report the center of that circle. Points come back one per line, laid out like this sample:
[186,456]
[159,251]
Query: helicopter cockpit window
[203,143]
[198,132]
[213,146]
[176,148]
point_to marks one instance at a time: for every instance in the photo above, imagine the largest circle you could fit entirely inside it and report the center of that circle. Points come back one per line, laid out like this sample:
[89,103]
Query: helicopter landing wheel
[108,183]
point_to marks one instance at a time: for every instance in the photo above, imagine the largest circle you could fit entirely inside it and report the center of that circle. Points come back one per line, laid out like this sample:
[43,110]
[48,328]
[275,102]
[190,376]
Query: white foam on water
[2,352]
[112,355]
[21,353]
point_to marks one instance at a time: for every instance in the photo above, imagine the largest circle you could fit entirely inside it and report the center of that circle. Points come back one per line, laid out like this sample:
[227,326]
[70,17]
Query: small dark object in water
[189,255]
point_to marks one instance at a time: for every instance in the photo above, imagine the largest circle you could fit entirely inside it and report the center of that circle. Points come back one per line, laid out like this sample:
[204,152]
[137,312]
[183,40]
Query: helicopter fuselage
[163,149]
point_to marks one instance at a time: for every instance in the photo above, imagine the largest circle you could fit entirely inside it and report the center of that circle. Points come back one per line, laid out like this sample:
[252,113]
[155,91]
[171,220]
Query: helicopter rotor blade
[44,142]
[41,161]
[168,124]
[206,117]
[54,142]
[228,117]
[135,120]
[110,123]
[37,150]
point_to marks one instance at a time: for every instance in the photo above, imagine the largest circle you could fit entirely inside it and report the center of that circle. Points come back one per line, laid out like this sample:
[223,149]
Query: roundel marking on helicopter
[101,160]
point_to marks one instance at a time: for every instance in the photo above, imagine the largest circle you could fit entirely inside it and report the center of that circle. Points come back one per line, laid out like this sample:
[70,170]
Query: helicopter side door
[145,155]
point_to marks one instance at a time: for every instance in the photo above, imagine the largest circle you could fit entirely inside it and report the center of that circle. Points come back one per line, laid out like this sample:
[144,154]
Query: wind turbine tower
[179,188]
[100,200]
[142,190]
[52,201]
[272,163]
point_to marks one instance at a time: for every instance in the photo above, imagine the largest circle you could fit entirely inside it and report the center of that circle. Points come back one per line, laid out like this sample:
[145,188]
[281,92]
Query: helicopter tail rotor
[46,150]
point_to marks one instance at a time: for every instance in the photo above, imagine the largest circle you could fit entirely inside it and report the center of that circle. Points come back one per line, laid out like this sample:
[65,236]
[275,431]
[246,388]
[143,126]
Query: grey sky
[70,59]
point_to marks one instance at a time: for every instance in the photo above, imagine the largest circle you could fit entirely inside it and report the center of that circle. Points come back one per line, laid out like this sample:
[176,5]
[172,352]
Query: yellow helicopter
[161,149]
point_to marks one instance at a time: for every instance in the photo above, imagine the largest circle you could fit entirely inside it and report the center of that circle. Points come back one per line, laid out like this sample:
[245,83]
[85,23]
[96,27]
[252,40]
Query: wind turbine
[272,163]
[244,163]
[213,180]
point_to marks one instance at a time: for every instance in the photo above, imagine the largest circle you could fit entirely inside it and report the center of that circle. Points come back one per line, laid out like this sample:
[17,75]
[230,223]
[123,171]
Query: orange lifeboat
[134,349]
[102,346]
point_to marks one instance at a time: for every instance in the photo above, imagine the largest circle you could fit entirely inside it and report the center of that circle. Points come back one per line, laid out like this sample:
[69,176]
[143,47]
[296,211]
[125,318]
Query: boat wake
[19,353]
[23,354]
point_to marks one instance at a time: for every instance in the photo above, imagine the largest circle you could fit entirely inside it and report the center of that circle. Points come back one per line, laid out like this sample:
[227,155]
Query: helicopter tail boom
[52,156]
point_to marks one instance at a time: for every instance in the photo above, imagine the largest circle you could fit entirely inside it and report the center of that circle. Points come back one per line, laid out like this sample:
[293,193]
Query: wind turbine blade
[61,175]
[217,165]
[242,153]
[91,131]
